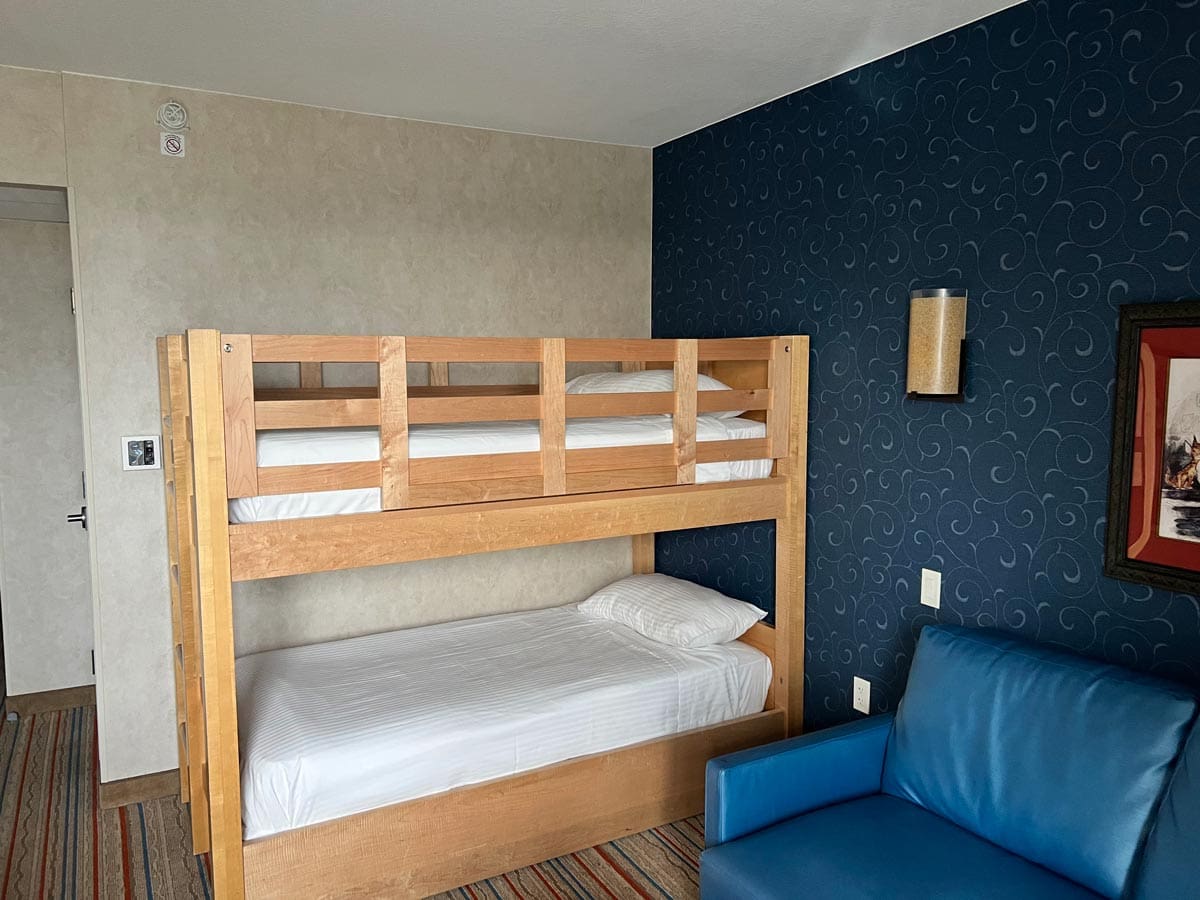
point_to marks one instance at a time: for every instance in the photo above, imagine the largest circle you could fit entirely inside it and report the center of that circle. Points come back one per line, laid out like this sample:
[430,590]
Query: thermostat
[141,452]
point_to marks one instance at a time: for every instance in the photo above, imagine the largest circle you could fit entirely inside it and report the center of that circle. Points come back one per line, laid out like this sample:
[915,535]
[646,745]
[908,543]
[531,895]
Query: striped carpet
[55,841]
[660,863]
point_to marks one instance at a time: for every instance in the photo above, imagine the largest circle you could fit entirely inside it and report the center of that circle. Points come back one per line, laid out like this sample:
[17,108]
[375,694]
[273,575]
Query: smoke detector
[172,116]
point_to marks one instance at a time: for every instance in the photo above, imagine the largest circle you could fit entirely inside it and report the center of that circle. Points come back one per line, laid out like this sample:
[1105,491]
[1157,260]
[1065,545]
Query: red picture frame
[1154,496]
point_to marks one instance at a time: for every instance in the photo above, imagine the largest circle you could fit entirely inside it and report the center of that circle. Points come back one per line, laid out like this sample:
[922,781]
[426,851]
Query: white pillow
[672,611]
[651,380]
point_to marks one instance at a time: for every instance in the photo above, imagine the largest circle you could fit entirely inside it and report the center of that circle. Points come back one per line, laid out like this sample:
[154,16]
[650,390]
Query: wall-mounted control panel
[141,452]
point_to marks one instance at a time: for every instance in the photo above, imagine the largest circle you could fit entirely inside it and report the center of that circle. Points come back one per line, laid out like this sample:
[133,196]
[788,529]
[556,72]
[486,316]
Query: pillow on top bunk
[651,380]
[672,611]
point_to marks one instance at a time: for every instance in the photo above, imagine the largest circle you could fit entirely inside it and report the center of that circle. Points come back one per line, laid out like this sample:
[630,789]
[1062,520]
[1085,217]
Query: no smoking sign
[172,144]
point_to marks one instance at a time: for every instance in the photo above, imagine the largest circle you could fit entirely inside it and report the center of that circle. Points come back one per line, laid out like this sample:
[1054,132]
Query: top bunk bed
[285,474]
[437,468]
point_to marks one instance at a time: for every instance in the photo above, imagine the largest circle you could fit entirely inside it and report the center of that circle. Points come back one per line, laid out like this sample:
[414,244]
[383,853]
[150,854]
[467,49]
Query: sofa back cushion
[1170,865]
[1056,758]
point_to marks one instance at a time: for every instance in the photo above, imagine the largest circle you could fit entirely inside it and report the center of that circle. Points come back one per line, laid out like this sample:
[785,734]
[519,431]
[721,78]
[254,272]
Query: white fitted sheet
[333,729]
[334,445]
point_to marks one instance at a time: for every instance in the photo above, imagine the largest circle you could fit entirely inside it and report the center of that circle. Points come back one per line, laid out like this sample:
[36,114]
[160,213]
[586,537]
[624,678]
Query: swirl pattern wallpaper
[1047,159]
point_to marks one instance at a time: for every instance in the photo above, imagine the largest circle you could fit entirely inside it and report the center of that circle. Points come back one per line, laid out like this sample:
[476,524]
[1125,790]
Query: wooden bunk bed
[212,414]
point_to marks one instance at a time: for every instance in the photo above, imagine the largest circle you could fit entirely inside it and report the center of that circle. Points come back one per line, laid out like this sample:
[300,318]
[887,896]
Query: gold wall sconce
[937,346]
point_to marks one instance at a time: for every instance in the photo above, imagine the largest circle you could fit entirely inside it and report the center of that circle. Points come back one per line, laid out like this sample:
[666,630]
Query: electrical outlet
[862,695]
[931,588]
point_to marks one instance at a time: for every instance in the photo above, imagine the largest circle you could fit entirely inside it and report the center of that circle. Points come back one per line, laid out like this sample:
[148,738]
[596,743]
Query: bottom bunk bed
[333,729]
[423,847]
[381,765]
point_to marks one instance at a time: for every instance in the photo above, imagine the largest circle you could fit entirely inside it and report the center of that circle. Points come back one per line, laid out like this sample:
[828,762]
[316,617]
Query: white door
[45,576]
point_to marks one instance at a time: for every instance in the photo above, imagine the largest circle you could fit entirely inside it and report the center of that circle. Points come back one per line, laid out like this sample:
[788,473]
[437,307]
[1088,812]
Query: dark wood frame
[1117,564]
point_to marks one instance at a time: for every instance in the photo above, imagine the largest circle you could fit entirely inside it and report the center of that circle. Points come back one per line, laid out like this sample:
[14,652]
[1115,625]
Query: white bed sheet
[333,729]
[334,445]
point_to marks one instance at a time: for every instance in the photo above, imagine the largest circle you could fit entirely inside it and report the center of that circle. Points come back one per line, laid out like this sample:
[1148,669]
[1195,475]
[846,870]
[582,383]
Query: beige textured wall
[31,128]
[289,218]
[45,580]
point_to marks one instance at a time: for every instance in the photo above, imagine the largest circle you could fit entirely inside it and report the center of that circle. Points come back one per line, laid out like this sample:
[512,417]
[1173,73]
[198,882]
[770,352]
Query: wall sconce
[937,346]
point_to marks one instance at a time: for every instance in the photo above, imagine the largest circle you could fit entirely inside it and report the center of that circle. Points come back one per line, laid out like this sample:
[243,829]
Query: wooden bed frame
[432,508]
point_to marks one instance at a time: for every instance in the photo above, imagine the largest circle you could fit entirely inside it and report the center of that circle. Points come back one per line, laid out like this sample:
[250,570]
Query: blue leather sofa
[1009,770]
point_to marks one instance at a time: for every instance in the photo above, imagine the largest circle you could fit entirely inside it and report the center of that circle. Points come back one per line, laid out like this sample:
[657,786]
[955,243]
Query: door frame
[88,467]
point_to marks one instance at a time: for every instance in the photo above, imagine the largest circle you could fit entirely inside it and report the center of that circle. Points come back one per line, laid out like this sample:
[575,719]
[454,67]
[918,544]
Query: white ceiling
[619,71]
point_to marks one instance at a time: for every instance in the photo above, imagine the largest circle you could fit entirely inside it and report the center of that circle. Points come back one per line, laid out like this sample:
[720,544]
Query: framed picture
[1154,485]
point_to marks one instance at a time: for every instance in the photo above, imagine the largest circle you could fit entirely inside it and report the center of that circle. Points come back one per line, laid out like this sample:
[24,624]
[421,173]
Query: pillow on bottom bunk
[672,611]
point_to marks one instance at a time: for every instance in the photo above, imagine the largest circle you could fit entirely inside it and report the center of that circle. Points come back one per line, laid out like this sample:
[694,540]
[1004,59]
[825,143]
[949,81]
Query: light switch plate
[931,588]
[141,451]
[862,695]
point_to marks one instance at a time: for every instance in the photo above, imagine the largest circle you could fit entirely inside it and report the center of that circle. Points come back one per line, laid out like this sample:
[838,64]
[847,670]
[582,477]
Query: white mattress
[333,729]
[334,445]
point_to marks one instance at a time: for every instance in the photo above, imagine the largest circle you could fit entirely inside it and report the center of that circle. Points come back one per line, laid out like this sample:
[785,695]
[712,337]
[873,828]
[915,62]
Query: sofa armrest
[751,789]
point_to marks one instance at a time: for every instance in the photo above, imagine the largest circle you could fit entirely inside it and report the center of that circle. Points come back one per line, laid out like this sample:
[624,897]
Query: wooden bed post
[553,423]
[684,419]
[173,573]
[241,442]
[643,554]
[312,375]
[779,415]
[205,352]
[177,474]
[393,422]
[643,544]
[789,530]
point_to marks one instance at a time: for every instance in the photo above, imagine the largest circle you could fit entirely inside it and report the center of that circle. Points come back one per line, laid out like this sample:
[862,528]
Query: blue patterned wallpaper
[1047,159]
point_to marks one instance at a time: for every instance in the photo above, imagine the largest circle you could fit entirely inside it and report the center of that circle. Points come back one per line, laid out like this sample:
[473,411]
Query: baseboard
[50,701]
[139,789]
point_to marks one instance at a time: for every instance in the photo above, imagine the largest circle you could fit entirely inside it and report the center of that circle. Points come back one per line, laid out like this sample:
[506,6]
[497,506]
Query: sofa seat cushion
[1059,759]
[876,848]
